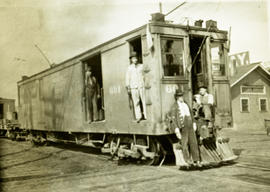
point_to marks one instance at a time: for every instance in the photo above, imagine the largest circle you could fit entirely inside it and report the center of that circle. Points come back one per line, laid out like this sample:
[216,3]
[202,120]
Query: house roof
[244,71]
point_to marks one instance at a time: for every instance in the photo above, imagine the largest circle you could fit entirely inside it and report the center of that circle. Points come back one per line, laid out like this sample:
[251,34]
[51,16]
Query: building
[250,93]
[7,113]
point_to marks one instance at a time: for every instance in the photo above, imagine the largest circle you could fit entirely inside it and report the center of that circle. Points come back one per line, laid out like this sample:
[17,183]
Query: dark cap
[178,93]
[89,67]
[203,86]
[133,54]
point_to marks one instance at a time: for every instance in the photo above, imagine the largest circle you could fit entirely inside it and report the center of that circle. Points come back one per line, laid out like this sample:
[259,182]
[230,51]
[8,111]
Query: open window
[172,53]
[93,89]
[136,46]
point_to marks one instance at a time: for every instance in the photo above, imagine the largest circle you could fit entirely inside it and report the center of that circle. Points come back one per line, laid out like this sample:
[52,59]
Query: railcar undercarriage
[147,150]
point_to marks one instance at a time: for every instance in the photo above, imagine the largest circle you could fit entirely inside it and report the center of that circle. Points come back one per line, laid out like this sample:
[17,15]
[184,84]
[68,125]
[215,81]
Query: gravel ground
[65,168]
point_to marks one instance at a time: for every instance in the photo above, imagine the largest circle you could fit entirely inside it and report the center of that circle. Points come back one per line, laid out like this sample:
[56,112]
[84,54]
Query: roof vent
[211,25]
[158,17]
[198,23]
[24,77]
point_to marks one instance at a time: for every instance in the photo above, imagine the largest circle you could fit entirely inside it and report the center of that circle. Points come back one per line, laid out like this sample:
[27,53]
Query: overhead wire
[204,38]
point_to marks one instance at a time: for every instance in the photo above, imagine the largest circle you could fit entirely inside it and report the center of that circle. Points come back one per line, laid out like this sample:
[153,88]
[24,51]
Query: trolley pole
[43,55]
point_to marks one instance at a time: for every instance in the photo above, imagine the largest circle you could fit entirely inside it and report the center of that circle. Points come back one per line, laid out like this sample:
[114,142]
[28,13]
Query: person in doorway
[183,126]
[207,102]
[135,87]
[92,94]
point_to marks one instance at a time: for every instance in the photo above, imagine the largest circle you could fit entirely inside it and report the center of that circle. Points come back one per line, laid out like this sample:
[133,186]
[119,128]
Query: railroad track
[252,166]
[103,175]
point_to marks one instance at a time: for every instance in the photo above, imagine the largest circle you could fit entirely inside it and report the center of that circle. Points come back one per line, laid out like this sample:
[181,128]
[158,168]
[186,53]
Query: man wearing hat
[92,94]
[183,127]
[207,101]
[135,86]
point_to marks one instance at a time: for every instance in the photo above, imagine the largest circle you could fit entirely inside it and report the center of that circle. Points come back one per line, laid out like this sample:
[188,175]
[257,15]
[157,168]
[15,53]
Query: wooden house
[250,92]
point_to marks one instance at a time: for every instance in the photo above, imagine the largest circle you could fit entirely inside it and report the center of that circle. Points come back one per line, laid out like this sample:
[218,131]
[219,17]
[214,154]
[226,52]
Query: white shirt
[184,109]
[207,99]
[134,76]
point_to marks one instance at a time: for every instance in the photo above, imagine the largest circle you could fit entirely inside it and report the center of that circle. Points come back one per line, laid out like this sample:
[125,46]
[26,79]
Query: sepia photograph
[131,96]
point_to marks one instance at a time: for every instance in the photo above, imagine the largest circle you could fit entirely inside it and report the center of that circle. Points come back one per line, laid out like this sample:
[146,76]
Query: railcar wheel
[154,146]
[114,145]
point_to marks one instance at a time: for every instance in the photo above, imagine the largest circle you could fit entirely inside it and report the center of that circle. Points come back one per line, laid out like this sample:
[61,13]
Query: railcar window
[217,58]
[172,52]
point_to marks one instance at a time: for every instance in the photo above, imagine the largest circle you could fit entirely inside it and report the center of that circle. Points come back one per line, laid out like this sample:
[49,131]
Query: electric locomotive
[53,103]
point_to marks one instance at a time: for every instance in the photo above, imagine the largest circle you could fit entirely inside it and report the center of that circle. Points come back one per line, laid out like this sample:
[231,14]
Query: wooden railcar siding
[56,101]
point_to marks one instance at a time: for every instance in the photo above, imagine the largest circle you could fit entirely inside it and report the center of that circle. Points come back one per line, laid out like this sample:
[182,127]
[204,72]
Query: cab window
[217,60]
[172,53]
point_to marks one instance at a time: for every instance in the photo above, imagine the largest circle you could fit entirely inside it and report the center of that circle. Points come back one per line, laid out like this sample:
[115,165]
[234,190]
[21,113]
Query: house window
[263,105]
[217,60]
[172,51]
[244,104]
[252,89]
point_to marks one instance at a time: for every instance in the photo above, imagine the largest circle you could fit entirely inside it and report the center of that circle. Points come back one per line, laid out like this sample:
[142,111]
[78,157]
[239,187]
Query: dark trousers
[189,141]
[207,110]
[92,110]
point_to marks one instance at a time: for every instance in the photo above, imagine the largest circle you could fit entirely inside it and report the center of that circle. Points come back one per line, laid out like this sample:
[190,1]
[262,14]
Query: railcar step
[141,146]
[96,141]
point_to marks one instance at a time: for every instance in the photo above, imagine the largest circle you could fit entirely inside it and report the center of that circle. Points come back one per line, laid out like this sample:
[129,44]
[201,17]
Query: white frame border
[261,98]
[264,91]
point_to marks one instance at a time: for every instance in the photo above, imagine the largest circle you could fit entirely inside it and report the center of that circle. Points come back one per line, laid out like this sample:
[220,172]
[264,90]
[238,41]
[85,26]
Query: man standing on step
[135,87]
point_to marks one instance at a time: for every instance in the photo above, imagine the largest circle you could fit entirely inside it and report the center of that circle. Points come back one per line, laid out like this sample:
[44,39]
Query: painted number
[115,89]
[171,88]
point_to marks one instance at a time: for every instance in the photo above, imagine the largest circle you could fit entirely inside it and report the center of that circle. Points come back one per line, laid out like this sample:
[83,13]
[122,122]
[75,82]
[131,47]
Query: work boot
[184,167]
[198,164]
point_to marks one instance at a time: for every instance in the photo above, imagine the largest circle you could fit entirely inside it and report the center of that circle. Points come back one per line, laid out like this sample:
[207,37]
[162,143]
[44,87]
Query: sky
[65,28]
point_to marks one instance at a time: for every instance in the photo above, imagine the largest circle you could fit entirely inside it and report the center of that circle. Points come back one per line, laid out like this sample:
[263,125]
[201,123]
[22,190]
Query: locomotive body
[53,102]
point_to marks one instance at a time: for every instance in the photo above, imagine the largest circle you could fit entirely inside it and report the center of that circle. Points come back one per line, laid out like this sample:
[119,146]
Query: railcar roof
[5,99]
[161,24]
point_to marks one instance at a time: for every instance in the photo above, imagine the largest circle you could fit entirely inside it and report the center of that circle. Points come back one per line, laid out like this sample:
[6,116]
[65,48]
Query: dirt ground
[65,168]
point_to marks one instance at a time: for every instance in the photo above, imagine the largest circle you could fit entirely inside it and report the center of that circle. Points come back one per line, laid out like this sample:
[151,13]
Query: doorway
[137,95]
[93,89]
[199,68]
[1,111]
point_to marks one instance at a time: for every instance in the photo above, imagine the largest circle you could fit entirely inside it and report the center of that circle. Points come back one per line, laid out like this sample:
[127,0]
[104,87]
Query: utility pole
[43,55]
